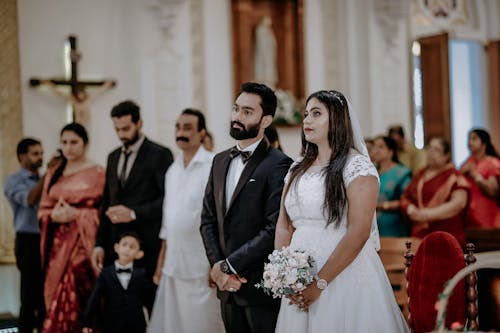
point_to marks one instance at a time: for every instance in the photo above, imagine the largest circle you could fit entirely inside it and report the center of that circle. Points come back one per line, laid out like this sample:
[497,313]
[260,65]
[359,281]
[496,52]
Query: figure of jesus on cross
[79,98]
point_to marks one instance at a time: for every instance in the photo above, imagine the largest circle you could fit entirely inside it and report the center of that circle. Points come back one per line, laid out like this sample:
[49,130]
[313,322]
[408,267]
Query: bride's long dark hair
[341,139]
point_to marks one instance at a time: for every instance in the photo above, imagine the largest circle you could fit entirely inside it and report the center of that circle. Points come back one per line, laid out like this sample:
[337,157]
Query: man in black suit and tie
[133,193]
[240,211]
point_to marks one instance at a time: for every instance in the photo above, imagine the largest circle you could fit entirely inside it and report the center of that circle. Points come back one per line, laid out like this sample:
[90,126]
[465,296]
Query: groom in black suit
[133,193]
[240,211]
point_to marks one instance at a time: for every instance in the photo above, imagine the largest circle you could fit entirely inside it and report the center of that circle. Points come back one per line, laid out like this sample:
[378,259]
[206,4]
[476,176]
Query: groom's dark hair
[127,108]
[269,102]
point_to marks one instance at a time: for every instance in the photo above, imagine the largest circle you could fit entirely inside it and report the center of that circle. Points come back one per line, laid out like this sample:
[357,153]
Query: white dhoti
[185,306]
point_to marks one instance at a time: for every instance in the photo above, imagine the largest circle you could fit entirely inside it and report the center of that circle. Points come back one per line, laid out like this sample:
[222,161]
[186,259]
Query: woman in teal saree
[394,178]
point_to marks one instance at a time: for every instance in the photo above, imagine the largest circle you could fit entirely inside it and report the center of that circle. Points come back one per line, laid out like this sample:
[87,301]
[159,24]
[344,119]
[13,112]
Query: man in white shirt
[183,269]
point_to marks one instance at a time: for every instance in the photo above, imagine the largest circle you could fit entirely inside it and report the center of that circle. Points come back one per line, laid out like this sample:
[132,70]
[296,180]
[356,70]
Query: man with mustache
[133,193]
[183,269]
[240,211]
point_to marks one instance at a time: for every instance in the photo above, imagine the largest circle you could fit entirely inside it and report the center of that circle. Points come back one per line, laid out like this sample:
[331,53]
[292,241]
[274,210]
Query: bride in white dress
[328,209]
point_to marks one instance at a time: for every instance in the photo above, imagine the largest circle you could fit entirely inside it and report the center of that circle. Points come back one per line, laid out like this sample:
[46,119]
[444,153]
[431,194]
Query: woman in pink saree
[482,170]
[69,216]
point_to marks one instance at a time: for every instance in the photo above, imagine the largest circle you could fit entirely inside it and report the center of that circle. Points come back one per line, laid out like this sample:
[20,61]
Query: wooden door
[435,86]
[493,51]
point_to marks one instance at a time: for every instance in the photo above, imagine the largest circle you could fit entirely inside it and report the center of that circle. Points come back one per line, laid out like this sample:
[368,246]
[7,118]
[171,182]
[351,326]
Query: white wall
[104,39]
[126,40]
[135,42]
[218,70]
[360,63]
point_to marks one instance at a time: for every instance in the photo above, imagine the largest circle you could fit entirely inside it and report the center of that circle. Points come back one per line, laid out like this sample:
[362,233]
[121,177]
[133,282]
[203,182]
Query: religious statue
[80,100]
[78,96]
[265,56]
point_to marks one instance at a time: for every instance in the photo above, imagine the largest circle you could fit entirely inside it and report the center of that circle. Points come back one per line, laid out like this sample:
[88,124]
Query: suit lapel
[133,277]
[115,277]
[113,163]
[220,174]
[258,155]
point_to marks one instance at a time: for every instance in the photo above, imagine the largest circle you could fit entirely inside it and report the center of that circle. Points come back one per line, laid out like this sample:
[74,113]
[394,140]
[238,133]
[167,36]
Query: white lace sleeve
[358,165]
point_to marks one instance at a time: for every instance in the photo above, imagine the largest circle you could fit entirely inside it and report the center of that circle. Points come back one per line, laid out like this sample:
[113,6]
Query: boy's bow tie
[124,270]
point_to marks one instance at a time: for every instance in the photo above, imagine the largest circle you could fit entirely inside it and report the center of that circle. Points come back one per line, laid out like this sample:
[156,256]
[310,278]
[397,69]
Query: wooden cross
[75,84]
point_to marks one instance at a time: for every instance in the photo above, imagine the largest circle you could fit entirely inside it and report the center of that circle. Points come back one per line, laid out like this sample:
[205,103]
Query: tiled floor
[8,325]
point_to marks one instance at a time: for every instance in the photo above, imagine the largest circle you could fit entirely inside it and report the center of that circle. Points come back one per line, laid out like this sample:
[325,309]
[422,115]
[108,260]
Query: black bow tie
[124,270]
[245,155]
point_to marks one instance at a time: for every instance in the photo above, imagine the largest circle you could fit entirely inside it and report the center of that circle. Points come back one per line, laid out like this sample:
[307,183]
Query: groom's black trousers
[249,319]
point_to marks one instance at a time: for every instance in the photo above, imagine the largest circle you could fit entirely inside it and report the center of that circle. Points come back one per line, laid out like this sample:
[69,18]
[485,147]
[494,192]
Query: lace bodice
[304,205]
[304,200]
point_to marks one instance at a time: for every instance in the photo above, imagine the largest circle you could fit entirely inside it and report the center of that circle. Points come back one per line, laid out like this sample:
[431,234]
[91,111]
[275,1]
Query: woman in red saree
[68,216]
[482,170]
[436,198]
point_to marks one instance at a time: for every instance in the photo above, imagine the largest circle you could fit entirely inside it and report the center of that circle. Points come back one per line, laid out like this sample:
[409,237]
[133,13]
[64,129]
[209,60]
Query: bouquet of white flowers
[288,272]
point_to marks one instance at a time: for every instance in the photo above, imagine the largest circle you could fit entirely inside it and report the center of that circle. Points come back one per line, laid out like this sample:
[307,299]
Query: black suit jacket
[143,192]
[244,233]
[122,309]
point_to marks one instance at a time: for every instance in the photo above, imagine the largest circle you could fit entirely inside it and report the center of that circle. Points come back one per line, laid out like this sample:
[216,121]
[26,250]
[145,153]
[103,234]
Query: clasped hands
[307,297]
[468,168]
[226,282]
[63,212]
[119,214]
[418,215]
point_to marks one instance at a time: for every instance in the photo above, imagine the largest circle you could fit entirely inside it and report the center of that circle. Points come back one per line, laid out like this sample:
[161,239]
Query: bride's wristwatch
[321,284]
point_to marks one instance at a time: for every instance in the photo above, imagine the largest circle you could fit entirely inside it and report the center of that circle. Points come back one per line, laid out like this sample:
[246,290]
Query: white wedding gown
[360,299]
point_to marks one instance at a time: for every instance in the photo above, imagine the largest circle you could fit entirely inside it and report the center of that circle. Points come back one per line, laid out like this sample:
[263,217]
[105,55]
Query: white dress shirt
[235,170]
[124,277]
[184,191]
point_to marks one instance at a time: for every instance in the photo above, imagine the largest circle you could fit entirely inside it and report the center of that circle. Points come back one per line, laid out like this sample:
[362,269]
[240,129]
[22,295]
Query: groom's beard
[129,142]
[244,132]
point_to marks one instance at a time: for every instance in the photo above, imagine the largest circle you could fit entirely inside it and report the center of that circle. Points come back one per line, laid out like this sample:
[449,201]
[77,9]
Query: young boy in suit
[121,287]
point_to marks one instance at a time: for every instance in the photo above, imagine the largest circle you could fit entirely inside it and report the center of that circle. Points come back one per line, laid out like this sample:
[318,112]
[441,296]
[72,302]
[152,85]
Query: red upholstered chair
[438,258]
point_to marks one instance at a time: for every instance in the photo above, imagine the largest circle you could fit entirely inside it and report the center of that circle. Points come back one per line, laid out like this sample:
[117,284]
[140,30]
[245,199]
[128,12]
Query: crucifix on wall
[78,97]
